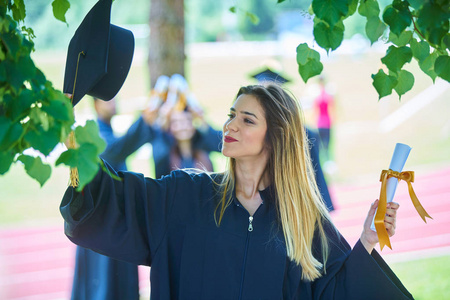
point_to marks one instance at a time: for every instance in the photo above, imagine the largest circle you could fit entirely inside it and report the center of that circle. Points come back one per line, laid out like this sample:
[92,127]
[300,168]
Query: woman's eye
[248,121]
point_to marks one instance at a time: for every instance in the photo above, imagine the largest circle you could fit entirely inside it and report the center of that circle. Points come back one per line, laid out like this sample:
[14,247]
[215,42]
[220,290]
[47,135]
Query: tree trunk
[166,50]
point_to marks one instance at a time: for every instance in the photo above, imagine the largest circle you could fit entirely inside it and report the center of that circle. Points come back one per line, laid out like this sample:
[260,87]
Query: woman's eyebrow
[244,112]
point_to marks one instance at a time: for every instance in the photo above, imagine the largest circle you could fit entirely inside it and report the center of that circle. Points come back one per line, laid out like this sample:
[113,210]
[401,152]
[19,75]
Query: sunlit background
[223,49]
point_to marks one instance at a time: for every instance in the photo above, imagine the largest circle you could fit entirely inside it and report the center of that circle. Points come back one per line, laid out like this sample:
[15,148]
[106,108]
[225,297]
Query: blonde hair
[300,207]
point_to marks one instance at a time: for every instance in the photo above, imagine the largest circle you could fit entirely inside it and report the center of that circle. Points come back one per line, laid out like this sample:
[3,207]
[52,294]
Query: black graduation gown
[169,224]
[314,139]
[99,277]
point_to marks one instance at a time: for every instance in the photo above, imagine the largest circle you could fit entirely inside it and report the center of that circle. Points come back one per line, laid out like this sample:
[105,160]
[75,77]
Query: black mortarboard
[99,56]
[271,76]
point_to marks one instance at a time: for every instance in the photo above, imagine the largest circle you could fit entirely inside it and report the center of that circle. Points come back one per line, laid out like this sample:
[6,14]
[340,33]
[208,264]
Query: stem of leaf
[416,29]
[20,138]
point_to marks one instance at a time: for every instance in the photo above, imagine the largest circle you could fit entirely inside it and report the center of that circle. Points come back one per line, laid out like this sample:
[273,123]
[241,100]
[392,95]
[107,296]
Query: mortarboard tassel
[74,176]
[182,102]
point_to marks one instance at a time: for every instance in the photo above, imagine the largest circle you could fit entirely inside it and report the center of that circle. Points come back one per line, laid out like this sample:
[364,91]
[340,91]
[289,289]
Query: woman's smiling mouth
[229,139]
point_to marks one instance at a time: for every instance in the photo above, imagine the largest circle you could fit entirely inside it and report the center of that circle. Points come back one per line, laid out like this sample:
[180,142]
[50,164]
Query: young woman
[256,231]
[176,142]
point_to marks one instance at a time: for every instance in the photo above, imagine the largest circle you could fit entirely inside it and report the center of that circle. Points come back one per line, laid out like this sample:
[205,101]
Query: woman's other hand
[369,238]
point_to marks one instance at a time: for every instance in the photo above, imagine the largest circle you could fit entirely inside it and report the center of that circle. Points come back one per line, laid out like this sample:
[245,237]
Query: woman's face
[245,130]
[181,126]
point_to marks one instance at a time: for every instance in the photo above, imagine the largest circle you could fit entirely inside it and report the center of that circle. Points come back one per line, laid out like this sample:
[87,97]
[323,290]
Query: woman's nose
[231,125]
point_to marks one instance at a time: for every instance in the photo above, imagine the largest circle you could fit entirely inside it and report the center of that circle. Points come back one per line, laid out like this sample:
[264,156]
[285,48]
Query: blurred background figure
[98,277]
[180,136]
[271,73]
[323,105]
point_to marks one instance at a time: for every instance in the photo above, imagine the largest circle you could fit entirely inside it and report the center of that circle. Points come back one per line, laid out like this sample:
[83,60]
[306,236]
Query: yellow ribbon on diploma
[407,176]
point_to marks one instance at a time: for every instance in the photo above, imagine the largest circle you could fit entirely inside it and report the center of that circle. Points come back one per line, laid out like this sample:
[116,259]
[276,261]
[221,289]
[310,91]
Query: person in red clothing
[323,104]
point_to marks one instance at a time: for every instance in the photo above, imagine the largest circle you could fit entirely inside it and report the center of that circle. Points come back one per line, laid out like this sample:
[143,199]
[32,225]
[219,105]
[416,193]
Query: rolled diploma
[398,161]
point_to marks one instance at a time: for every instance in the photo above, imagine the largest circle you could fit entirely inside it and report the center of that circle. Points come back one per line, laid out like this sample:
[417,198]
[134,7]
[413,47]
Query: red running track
[37,263]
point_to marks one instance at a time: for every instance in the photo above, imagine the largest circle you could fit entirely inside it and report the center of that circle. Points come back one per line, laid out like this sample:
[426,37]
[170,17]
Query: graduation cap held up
[267,75]
[98,60]
[99,56]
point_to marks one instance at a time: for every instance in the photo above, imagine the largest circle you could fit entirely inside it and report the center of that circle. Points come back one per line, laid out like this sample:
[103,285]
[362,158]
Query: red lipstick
[229,139]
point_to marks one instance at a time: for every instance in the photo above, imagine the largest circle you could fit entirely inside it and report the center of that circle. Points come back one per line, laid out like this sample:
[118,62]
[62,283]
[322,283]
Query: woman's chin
[226,153]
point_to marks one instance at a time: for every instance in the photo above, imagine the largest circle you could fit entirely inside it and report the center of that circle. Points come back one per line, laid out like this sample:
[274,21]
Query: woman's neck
[185,148]
[251,177]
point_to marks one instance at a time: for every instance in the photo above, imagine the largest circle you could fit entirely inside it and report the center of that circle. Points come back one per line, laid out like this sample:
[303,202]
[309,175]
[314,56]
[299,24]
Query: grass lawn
[426,279]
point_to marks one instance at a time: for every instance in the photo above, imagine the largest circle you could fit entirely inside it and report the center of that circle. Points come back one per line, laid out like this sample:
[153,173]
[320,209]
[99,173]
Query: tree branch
[415,27]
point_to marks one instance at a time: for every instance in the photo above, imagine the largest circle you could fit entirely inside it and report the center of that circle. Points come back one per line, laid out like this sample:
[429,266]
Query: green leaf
[89,135]
[420,50]
[369,8]
[374,29]
[396,57]
[433,22]
[401,40]
[446,41]
[397,20]
[35,168]
[43,140]
[328,38]
[85,159]
[23,103]
[405,82]
[416,4]
[304,54]
[2,58]
[4,126]
[68,158]
[28,32]
[39,118]
[232,9]
[20,72]
[87,165]
[60,8]
[280,1]
[13,42]
[12,136]
[310,69]
[3,74]
[442,67]
[253,18]
[308,61]
[353,5]
[6,159]
[18,10]
[59,107]
[330,11]
[383,83]
[427,65]
[39,81]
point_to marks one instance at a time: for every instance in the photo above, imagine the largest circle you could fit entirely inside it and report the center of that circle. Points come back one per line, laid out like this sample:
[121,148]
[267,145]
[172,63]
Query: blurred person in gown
[270,73]
[180,136]
[323,105]
[98,277]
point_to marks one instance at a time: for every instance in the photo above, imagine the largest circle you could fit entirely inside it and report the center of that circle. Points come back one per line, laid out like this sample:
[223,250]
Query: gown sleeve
[125,219]
[353,274]
[211,139]
[314,140]
[120,148]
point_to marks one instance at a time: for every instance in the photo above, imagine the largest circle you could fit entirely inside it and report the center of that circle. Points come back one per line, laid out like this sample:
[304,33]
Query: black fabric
[169,225]
[99,56]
